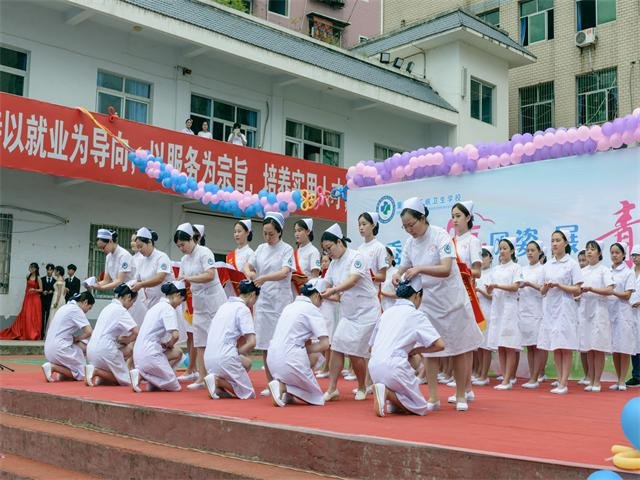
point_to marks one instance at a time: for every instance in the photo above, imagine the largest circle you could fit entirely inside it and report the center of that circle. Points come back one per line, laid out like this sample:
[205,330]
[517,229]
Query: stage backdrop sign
[589,196]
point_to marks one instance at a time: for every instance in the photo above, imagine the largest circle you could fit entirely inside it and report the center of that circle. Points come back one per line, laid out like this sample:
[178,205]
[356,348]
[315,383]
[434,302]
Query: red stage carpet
[576,428]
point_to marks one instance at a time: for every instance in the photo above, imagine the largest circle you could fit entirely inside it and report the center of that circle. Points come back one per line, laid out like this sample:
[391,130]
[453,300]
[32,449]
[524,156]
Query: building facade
[588,55]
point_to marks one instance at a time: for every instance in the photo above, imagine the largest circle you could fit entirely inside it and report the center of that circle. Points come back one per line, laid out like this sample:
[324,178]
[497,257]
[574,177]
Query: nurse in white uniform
[138,310]
[111,343]
[242,235]
[306,255]
[559,327]
[388,295]
[530,309]
[485,298]
[373,251]
[61,348]
[118,267]
[231,338]
[634,381]
[623,322]
[197,267]
[350,283]
[155,353]
[270,269]
[292,344]
[154,269]
[504,319]
[402,332]
[429,253]
[594,325]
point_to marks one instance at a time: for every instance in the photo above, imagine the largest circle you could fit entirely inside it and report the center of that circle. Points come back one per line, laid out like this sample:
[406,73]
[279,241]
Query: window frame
[597,24]
[244,128]
[124,96]
[390,151]
[288,9]
[482,16]
[17,71]
[537,12]
[536,104]
[606,90]
[6,236]
[483,83]
[300,141]
[96,259]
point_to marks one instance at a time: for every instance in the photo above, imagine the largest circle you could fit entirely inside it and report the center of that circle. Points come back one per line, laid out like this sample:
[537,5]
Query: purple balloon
[590,146]
[618,125]
[578,148]
[357,179]
[567,149]
[422,151]
[608,129]
[526,138]
[430,171]
[556,151]
[550,130]
[517,138]
[470,166]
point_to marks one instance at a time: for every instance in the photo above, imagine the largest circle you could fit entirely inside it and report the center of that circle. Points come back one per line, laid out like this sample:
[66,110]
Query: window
[325,30]
[131,98]
[481,101]
[590,13]
[492,17]
[312,143]
[248,6]
[6,228]
[97,258]
[536,107]
[382,152]
[362,38]
[597,93]
[13,71]
[221,117]
[281,7]
[536,21]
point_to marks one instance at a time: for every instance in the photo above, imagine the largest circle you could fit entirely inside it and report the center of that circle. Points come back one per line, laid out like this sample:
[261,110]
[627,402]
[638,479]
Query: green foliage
[236,4]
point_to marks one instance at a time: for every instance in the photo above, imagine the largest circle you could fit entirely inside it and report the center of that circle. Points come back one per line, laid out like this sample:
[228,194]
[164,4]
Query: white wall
[64,61]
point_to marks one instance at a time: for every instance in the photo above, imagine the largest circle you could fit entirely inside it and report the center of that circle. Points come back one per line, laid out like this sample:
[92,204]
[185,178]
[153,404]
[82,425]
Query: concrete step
[19,467]
[110,455]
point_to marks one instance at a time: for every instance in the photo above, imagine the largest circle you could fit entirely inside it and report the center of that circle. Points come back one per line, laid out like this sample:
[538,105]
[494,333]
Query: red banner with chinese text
[47,138]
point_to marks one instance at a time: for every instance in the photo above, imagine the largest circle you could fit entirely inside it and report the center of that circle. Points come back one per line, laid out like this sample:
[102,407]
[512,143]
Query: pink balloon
[636,135]
[529,148]
[198,194]
[572,135]
[473,153]
[351,184]
[483,163]
[561,137]
[516,159]
[351,171]
[408,171]
[456,169]
[595,133]
[518,149]
[360,168]
[538,141]
[603,145]
[264,201]
[505,159]
[140,153]
[413,162]
[292,207]
[616,140]
[438,158]
[628,138]
[458,149]
[494,161]
[378,180]
[429,159]
[583,133]
[549,139]
[398,173]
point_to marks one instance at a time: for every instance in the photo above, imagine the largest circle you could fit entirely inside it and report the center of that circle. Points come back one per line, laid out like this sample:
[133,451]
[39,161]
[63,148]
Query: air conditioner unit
[587,37]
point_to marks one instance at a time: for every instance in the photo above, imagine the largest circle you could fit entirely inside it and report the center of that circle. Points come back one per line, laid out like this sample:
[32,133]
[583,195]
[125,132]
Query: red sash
[231,258]
[298,278]
[469,285]
[188,311]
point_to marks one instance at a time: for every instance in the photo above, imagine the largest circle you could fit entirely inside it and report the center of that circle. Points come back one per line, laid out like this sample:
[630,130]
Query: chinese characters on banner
[46,138]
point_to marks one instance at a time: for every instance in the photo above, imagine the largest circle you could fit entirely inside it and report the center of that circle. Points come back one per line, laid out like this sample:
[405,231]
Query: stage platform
[505,434]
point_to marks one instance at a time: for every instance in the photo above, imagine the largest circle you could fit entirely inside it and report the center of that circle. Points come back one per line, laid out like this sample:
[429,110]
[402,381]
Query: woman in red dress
[29,321]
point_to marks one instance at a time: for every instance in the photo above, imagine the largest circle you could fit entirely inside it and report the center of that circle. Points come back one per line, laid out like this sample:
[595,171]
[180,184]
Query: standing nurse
[118,266]
[430,253]
[154,268]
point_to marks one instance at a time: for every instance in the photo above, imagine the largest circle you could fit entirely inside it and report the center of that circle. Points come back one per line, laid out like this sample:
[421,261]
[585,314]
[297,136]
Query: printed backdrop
[591,196]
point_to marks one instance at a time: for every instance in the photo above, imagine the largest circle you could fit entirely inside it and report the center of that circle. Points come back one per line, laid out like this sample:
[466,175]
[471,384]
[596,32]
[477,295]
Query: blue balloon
[192,184]
[283,206]
[296,196]
[262,193]
[166,182]
[185,360]
[604,475]
[630,420]
[271,197]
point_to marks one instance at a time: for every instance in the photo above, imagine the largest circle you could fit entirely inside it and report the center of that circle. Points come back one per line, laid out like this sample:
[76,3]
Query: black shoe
[633,382]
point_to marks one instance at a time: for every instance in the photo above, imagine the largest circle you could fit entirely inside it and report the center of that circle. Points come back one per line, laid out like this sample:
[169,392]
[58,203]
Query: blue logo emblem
[210,261]
[447,248]
[125,265]
[386,208]
[357,264]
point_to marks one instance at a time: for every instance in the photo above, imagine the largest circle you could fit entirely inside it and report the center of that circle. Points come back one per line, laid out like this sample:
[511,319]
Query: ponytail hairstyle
[619,245]
[512,247]
[308,289]
[123,290]
[84,297]
[244,227]
[465,211]
[567,247]
[152,240]
[247,286]
[303,225]
[114,236]
[367,217]
[330,237]
[170,289]
[596,245]
[405,290]
[389,252]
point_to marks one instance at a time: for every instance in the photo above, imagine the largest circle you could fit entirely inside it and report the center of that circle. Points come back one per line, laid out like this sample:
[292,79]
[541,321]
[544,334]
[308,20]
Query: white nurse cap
[375,217]
[335,230]
[144,232]
[309,223]
[415,282]
[636,249]
[246,223]
[277,217]
[199,228]
[511,240]
[468,204]
[414,203]
[624,246]
[318,284]
[186,228]
[540,244]
[179,284]
[104,234]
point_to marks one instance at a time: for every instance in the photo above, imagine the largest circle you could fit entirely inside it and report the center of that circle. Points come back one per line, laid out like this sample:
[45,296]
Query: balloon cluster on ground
[522,148]
[227,199]
[628,458]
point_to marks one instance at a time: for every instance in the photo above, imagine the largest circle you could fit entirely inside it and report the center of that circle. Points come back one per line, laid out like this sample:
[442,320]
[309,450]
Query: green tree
[236,4]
